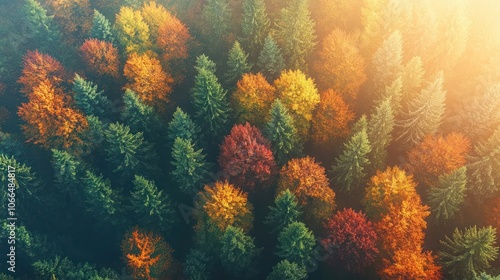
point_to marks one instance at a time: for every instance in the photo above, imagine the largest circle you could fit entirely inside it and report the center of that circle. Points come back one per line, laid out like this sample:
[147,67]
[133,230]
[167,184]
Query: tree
[353,237]
[252,99]
[306,179]
[446,197]
[285,211]
[100,57]
[238,251]
[197,265]
[42,26]
[295,34]
[89,99]
[190,167]
[132,31]
[204,62]
[339,65]
[173,39]
[146,254]
[152,207]
[58,267]
[296,244]
[67,173]
[344,14]
[299,94]
[254,25]
[270,60]
[237,64]
[394,93]
[281,131]
[182,126]
[410,264]
[412,76]
[141,117]
[247,158]
[217,22]
[350,168]
[331,119]
[468,252]
[287,270]
[38,67]
[387,62]
[379,130]
[423,115]
[437,155]
[102,28]
[100,199]
[146,77]
[492,211]
[73,17]
[154,15]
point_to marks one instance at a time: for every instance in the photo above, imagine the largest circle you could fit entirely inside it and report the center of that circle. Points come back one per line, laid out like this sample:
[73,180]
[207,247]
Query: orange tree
[100,57]
[38,67]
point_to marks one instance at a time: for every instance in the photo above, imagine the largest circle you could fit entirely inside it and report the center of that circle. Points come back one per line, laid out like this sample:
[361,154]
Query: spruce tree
[446,197]
[141,117]
[281,131]
[44,33]
[217,20]
[387,62]
[89,99]
[238,252]
[359,125]
[102,28]
[270,60]
[190,168]
[197,265]
[296,244]
[285,211]
[237,64]
[10,145]
[100,199]
[287,270]
[349,169]
[204,62]
[152,207]
[468,253]
[393,92]
[379,131]
[254,25]
[67,173]
[182,126]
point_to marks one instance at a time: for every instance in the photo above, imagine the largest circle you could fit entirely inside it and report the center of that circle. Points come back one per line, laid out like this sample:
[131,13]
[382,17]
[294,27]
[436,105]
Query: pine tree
[393,92]
[63,268]
[190,167]
[387,62]
[468,253]
[141,117]
[412,76]
[197,265]
[270,60]
[67,173]
[295,34]
[182,126]
[237,64]
[359,125]
[285,211]
[102,28]
[424,113]
[89,99]
[379,133]
[349,169]
[287,270]
[447,196]
[254,25]
[204,62]
[281,131]
[296,244]
[238,252]
[44,32]
[152,207]
[217,20]
[100,199]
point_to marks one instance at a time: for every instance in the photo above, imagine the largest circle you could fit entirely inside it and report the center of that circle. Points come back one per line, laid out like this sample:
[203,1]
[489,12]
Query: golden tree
[38,67]
[100,57]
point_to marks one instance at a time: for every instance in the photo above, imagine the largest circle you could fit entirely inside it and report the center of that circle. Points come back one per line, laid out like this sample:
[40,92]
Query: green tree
[349,169]
[387,62]
[197,265]
[102,28]
[182,126]
[286,270]
[270,60]
[296,244]
[101,200]
[254,25]
[295,34]
[63,268]
[412,76]
[281,131]
[190,168]
[237,64]
[285,211]
[468,253]
[238,252]
[394,92]
[89,99]
[359,125]
[379,132]
[152,207]
[204,62]
[10,145]
[132,31]
[446,197]
[67,173]
[217,22]
[42,27]
[484,276]
[141,117]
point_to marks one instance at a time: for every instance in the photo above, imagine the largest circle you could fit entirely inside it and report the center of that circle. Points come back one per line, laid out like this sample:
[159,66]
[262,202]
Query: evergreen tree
[217,21]
[379,132]
[424,113]
[387,62]
[270,60]
[468,253]
[102,28]
[63,268]
[141,117]
[152,207]
[281,131]
[190,168]
[359,125]
[44,32]
[237,64]
[295,33]
[182,126]
[485,276]
[350,167]
[394,92]
[285,211]
[89,99]
[287,270]
[446,197]
[100,199]
[204,62]
[11,146]
[67,173]
[238,252]
[95,133]
[197,265]
[254,25]
[296,244]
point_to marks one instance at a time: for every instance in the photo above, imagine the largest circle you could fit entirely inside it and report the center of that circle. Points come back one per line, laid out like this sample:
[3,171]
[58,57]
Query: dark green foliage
[286,270]
[296,244]
[151,206]
[190,168]
[141,117]
[102,28]
[4,276]
[446,197]
[182,126]
[281,131]
[237,64]
[285,211]
[197,265]
[217,19]
[31,244]
[270,60]
[43,31]
[10,145]
[254,25]
[204,62]
[63,268]
[379,132]
[95,134]
[100,199]
[89,99]
[468,253]
[484,276]
[238,252]
[67,173]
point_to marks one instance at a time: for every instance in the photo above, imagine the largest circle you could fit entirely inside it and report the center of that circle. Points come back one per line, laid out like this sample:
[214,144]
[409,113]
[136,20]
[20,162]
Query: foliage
[237,64]
[190,167]
[182,126]
[387,62]
[38,67]
[100,198]
[254,25]
[100,57]
[63,268]
[216,16]
[238,251]
[141,117]
[296,244]
[102,28]
[270,60]
[197,265]
[132,31]
[285,211]
[42,26]
[73,17]
[379,130]
[287,270]
[89,99]
[446,197]
[410,264]
[173,39]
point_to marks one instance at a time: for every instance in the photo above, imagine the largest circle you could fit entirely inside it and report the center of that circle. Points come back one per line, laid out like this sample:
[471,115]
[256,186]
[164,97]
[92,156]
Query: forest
[249,139]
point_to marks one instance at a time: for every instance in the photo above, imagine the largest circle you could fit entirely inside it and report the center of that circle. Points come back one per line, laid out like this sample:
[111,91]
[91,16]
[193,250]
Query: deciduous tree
[100,57]
[38,67]
[173,39]
[132,31]
[74,18]
[411,264]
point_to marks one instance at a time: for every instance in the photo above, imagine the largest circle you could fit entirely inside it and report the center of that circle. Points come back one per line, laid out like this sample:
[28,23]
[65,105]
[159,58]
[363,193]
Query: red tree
[100,57]
[38,67]
[246,156]
[354,238]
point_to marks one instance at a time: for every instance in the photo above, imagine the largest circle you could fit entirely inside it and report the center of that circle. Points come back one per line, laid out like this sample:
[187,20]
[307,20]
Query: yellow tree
[132,31]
